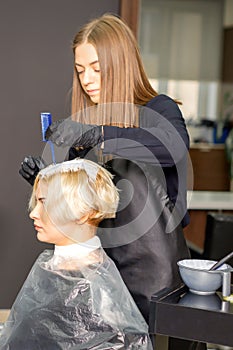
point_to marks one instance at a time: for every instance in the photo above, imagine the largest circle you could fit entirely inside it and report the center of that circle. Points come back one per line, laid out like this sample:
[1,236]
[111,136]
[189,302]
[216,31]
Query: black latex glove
[30,167]
[66,132]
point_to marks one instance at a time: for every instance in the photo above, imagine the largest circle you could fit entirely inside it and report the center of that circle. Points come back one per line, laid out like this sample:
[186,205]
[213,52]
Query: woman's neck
[77,233]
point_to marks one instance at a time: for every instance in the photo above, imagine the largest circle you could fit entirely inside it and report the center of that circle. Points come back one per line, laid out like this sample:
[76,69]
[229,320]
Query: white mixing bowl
[195,274]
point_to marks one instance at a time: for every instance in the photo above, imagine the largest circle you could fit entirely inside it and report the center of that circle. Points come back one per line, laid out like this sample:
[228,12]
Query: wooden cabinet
[210,168]
[195,232]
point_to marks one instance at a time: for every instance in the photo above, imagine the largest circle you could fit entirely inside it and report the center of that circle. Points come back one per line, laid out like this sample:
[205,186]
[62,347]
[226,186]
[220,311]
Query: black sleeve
[161,138]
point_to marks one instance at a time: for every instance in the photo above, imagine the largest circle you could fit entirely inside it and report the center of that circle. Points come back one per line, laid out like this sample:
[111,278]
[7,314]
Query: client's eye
[41,200]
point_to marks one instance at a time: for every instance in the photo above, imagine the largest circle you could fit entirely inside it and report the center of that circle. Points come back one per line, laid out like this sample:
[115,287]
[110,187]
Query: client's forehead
[42,189]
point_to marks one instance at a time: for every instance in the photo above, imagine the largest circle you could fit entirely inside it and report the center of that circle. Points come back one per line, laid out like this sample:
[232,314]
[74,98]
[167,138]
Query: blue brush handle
[46,120]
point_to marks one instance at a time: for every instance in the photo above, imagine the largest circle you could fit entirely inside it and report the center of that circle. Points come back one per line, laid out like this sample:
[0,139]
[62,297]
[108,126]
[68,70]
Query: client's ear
[92,218]
[82,220]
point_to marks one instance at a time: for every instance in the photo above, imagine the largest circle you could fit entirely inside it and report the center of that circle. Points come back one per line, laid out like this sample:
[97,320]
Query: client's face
[47,231]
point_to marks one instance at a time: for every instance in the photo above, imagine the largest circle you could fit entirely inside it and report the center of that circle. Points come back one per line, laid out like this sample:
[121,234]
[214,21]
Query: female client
[73,297]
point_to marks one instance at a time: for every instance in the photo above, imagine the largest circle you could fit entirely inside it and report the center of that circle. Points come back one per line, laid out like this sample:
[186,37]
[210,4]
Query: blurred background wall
[36,68]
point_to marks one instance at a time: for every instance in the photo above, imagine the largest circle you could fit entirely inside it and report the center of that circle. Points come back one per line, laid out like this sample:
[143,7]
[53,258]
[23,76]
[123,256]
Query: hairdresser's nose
[88,76]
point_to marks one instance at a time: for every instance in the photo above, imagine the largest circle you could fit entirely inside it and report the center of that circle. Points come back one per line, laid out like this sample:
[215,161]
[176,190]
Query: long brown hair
[124,83]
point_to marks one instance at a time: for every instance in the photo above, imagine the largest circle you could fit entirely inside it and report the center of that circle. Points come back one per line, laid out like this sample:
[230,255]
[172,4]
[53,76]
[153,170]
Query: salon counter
[210,200]
[182,314]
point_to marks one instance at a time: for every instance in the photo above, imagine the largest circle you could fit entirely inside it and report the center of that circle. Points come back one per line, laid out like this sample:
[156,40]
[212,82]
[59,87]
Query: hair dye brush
[46,120]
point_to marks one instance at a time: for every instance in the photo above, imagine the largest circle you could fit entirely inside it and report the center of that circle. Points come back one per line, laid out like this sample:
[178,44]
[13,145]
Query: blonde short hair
[74,193]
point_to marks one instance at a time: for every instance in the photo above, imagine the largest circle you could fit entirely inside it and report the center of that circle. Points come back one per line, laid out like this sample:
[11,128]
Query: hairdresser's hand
[30,168]
[69,133]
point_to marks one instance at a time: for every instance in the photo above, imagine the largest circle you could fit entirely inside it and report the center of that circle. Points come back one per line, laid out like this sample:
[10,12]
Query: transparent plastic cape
[71,303]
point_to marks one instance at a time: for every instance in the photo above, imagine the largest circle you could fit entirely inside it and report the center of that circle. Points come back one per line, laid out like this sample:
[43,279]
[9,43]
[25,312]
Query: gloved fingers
[29,178]
[24,174]
[63,141]
[28,165]
[55,125]
[40,163]
[65,133]
[54,130]
[60,140]
[52,136]
[58,137]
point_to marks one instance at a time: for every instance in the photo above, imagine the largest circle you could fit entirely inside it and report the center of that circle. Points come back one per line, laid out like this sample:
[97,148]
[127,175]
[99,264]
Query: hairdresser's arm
[161,138]
[166,143]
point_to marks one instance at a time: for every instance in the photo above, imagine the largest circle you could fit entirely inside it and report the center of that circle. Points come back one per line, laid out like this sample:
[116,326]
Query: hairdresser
[140,136]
